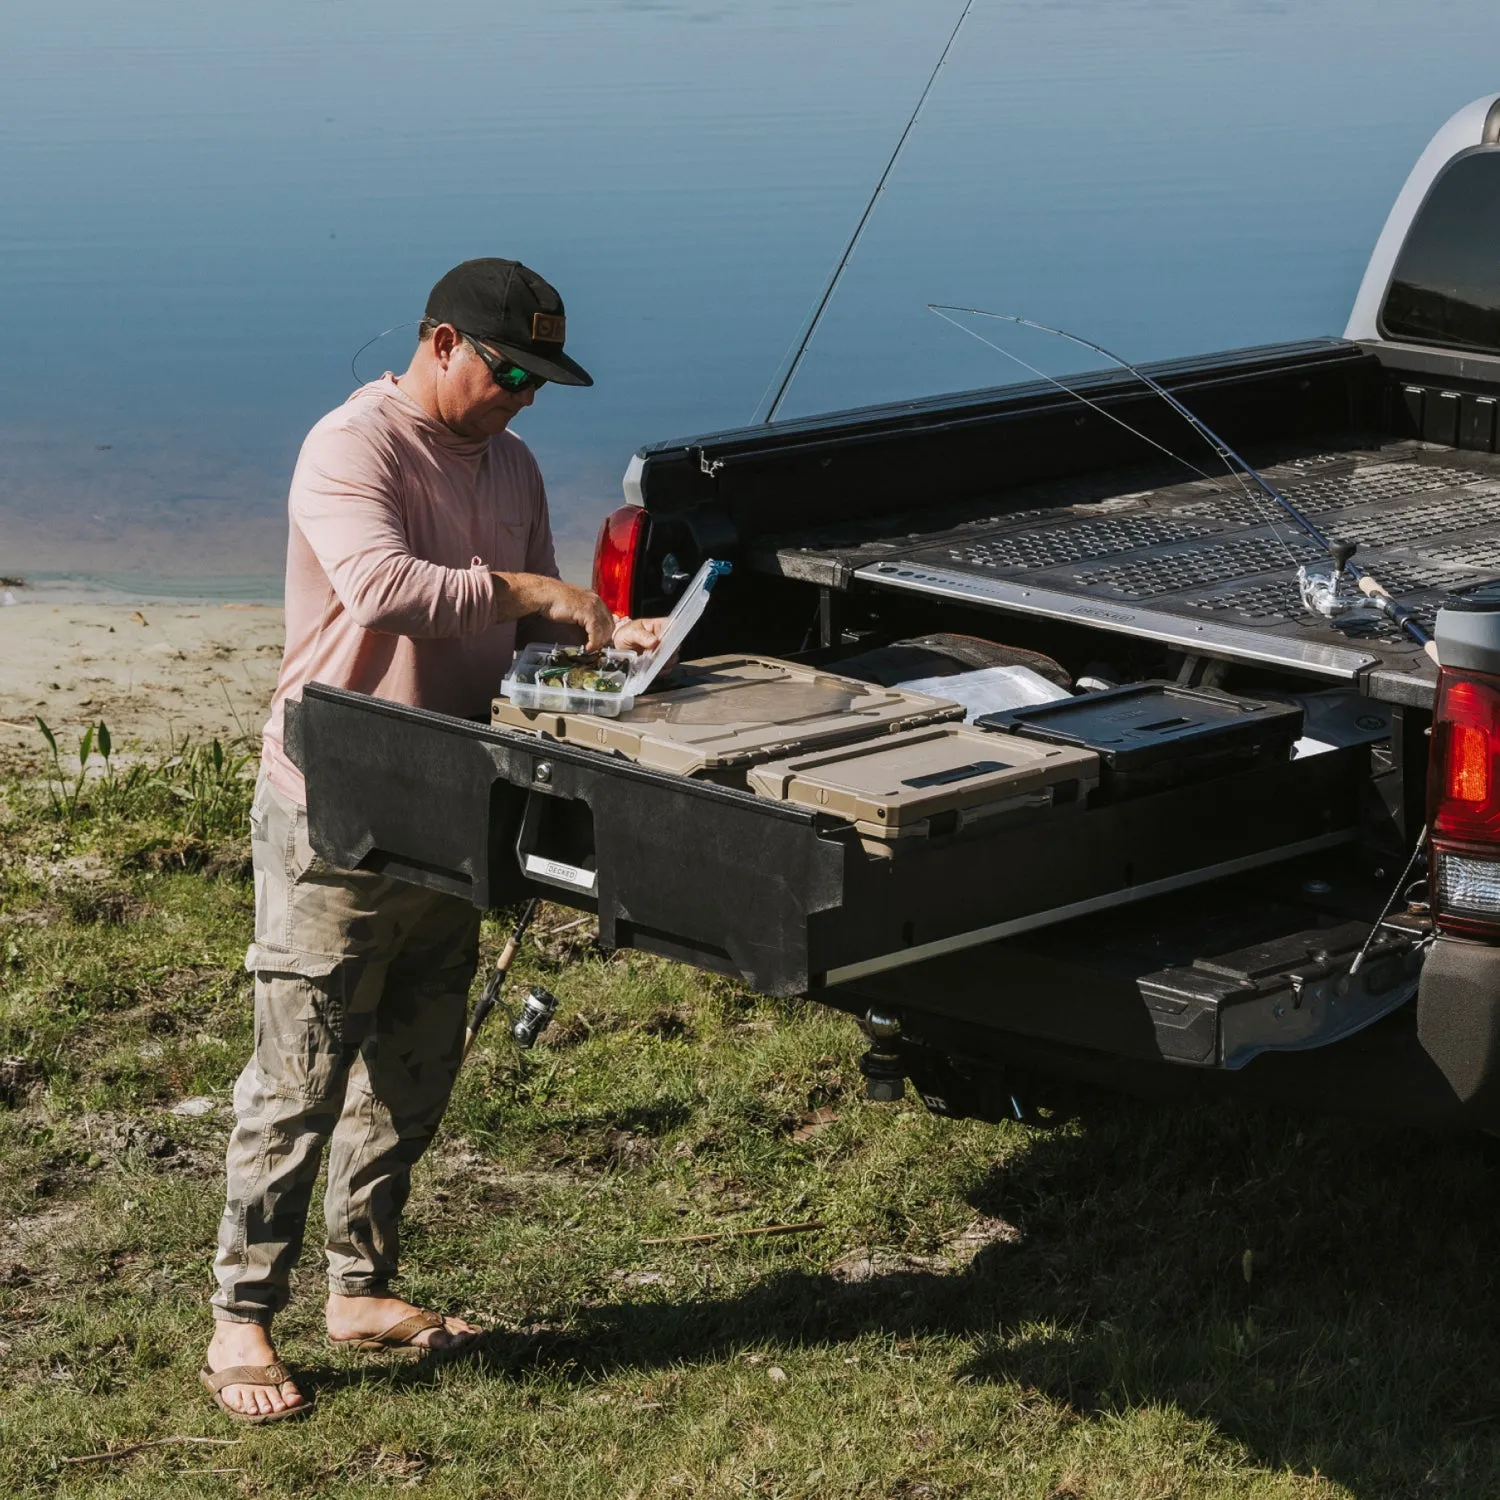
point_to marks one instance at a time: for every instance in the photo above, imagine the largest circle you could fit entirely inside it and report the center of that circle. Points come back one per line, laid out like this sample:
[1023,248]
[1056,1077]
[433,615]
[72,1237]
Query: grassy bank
[1145,1304]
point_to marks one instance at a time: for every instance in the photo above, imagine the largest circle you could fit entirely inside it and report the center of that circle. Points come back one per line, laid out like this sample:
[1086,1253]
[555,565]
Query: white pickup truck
[1186,916]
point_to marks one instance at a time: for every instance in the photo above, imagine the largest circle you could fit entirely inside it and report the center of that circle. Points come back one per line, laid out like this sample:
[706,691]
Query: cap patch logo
[547,328]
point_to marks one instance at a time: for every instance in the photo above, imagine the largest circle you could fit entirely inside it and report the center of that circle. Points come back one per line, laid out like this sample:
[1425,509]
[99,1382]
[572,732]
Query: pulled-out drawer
[784,896]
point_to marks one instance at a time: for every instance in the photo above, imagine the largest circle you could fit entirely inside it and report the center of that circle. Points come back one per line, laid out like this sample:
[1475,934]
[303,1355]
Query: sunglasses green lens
[510,378]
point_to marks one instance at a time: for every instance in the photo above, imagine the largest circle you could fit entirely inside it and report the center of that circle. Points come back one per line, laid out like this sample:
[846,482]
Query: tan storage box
[721,715]
[936,779]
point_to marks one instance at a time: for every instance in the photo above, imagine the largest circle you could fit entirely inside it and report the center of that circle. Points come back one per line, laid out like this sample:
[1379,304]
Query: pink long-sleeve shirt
[396,526]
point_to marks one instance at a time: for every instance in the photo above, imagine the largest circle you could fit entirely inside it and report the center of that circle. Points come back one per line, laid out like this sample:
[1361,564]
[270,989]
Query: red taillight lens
[1468,772]
[621,542]
[1464,781]
[1463,796]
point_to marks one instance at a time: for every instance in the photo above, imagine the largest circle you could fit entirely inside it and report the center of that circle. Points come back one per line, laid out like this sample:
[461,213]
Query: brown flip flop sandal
[276,1375]
[397,1339]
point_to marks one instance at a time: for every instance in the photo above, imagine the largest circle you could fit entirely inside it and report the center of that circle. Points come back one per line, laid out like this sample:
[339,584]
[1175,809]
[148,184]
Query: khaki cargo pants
[361,984]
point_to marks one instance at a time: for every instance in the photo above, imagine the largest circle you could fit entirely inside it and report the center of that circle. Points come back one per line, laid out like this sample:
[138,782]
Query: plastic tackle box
[567,679]
[545,676]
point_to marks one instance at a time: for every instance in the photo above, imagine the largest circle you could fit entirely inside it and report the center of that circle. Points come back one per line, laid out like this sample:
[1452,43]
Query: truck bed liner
[1205,565]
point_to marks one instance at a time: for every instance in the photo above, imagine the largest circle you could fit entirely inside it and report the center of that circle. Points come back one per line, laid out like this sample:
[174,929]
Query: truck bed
[1008,515]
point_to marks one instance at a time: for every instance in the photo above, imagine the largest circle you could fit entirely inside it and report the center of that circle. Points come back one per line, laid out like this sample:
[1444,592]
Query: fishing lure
[594,681]
[1340,552]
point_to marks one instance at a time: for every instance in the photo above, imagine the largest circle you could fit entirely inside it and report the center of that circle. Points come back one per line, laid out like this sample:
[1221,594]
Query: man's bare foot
[351,1318]
[249,1344]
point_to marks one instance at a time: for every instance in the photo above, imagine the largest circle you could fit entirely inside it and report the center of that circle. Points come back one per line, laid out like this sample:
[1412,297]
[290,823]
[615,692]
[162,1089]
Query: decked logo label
[547,328]
[555,869]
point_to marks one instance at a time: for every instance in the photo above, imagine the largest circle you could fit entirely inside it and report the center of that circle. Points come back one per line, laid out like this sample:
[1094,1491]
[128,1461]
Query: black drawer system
[784,897]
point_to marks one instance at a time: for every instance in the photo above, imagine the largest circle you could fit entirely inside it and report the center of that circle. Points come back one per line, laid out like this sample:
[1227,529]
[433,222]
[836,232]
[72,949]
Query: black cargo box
[1152,735]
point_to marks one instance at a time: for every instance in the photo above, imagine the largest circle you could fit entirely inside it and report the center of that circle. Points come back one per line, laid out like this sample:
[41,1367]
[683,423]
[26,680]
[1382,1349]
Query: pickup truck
[1318,928]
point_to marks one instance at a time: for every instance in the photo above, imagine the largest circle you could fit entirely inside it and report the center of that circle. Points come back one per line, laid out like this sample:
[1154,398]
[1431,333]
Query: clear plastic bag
[1332,593]
[988,690]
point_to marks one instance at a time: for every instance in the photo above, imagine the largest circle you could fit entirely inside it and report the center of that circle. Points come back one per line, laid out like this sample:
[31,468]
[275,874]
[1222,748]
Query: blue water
[207,208]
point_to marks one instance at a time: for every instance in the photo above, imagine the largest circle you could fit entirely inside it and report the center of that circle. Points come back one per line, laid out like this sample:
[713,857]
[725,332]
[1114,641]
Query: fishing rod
[1341,552]
[859,229]
[490,995]
[1119,421]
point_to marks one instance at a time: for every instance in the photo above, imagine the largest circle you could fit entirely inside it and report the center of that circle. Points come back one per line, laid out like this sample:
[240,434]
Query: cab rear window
[1446,285]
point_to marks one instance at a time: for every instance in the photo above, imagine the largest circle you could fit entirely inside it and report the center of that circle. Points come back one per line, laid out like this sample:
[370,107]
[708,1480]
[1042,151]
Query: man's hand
[642,635]
[638,635]
[585,609]
[520,594]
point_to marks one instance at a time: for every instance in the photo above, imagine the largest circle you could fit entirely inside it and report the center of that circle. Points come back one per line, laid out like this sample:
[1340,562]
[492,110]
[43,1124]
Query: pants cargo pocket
[302,1045]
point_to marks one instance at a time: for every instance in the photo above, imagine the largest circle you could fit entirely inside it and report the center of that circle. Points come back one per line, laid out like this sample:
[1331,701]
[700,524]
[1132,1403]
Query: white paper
[1306,746]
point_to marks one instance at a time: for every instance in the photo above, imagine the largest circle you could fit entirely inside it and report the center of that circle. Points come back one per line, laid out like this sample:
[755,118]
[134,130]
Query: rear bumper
[1433,1064]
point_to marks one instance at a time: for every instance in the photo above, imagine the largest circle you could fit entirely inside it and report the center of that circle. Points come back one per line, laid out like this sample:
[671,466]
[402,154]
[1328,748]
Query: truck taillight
[1463,795]
[621,541]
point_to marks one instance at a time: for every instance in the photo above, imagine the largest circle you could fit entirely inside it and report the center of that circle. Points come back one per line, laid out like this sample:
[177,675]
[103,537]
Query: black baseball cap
[509,307]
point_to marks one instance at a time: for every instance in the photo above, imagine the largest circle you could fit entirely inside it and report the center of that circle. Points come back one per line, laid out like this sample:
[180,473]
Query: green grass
[1144,1304]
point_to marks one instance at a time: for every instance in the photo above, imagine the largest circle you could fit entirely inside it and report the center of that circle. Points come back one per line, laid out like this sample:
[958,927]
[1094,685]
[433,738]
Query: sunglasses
[508,377]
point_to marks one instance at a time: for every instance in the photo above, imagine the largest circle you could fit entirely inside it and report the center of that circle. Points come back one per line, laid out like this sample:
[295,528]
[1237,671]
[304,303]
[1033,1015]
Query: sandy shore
[149,671]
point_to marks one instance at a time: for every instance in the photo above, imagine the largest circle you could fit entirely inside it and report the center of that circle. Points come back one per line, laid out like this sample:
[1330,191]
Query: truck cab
[1273,871]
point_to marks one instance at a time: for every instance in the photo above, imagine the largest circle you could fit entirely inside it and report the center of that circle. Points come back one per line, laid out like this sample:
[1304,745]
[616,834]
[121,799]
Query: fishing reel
[537,1010]
[1331,590]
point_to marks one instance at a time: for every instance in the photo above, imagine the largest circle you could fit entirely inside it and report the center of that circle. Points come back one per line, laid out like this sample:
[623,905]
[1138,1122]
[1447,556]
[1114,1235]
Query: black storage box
[1153,735]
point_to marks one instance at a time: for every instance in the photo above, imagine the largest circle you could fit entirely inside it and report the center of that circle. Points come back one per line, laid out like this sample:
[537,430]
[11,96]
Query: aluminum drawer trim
[1337,662]
[1017,925]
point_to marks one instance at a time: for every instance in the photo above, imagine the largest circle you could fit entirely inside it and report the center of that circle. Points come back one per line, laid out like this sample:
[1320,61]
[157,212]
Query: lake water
[207,208]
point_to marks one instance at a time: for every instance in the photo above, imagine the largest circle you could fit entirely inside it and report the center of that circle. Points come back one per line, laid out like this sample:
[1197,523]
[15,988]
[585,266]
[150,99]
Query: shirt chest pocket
[510,547]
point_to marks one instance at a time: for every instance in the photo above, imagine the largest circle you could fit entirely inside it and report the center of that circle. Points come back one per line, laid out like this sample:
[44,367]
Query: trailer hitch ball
[882,1065]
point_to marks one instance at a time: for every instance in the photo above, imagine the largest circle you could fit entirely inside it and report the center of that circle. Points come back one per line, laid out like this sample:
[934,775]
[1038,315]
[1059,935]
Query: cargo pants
[361,984]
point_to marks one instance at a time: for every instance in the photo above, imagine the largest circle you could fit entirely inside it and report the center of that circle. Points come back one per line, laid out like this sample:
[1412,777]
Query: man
[419,540]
